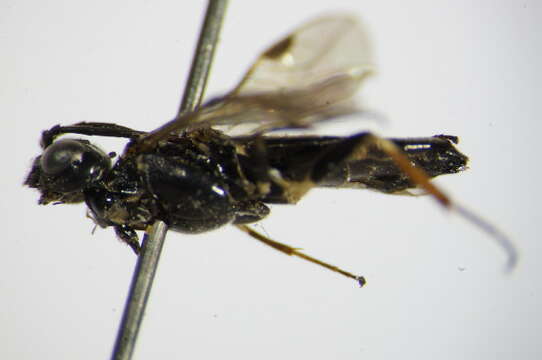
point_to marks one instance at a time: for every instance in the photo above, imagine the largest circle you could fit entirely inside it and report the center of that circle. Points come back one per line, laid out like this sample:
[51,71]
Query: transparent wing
[317,52]
[309,75]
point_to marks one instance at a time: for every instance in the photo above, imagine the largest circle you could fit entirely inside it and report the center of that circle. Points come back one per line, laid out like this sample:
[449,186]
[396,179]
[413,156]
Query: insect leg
[291,251]
[416,174]
[128,236]
[421,179]
[88,128]
[250,211]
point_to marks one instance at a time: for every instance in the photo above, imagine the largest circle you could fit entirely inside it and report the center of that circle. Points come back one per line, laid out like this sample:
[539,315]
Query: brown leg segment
[288,250]
[420,178]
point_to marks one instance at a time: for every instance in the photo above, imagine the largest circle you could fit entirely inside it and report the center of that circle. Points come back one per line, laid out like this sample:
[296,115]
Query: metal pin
[147,262]
[139,292]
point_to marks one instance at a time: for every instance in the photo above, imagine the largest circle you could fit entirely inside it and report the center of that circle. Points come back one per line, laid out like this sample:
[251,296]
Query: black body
[204,179]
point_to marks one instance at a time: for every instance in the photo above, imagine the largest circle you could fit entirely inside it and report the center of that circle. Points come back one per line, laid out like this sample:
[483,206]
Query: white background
[435,284]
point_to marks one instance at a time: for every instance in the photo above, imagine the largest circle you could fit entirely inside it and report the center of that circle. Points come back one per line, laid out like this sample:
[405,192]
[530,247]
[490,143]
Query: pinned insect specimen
[223,163]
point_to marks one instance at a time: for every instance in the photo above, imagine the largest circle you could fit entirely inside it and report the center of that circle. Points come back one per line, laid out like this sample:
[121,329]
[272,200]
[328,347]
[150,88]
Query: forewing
[325,48]
[309,75]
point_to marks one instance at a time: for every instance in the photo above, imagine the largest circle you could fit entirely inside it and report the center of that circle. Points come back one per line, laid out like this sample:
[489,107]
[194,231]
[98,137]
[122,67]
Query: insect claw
[361,281]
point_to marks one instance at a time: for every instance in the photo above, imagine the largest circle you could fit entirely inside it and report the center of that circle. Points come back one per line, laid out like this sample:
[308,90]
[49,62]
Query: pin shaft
[153,242]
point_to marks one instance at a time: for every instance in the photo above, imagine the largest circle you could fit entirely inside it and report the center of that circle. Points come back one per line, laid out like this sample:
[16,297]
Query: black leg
[128,236]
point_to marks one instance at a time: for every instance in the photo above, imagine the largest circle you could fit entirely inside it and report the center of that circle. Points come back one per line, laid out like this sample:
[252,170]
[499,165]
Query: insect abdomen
[352,162]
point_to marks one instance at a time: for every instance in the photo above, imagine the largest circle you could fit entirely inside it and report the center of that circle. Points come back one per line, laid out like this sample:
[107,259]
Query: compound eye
[60,155]
[73,164]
